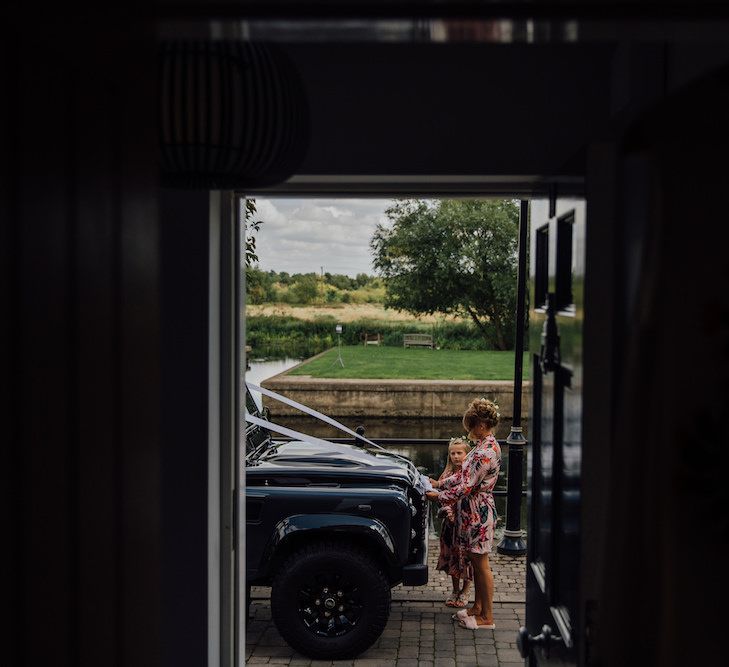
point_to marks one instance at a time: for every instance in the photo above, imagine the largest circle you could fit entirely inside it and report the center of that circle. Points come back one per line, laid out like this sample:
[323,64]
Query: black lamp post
[513,542]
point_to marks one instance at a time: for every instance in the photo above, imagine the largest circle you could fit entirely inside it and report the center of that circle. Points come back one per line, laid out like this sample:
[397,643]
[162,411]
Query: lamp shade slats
[232,115]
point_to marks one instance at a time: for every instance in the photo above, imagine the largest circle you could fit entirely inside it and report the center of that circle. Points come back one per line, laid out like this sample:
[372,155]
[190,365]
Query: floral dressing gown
[471,491]
[452,558]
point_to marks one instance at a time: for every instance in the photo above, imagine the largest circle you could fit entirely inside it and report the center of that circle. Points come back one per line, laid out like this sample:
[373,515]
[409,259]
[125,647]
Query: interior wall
[451,109]
[600,361]
[80,327]
[665,520]
[652,219]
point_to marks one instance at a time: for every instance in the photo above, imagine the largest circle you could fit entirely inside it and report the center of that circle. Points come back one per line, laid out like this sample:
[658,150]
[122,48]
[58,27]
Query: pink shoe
[460,614]
[470,623]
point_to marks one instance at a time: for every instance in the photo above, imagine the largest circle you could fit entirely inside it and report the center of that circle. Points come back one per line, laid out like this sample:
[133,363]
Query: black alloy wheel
[330,601]
[329,604]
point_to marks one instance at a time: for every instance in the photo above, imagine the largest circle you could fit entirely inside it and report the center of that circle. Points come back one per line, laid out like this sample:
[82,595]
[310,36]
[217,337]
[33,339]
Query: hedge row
[267,333]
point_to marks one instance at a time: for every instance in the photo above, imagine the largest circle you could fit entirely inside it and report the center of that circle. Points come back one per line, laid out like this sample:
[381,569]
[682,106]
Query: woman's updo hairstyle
[481,410]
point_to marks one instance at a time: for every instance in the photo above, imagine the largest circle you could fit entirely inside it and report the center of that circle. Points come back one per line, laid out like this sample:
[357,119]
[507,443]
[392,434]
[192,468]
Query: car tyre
[314,568]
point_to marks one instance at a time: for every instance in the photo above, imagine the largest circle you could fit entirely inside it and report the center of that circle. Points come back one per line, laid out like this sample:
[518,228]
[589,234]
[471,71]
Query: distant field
[344,312]
[373,362]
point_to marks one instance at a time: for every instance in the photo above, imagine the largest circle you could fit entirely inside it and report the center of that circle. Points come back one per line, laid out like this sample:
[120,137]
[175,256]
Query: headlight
[413,509]
[413,534]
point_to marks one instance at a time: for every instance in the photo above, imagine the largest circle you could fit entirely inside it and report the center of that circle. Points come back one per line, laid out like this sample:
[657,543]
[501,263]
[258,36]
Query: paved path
[420,631]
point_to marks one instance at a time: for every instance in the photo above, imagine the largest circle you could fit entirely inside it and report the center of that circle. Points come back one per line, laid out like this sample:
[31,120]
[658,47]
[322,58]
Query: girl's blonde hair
[448,470]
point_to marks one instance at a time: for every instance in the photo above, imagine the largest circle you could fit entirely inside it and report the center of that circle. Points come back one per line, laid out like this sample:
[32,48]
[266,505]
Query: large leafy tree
[453,257]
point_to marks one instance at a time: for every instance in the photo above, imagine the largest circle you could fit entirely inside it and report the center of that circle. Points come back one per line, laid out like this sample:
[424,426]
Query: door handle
[526,642]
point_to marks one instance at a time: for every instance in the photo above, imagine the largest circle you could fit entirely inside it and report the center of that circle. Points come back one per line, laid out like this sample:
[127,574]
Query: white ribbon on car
[307,438]
[311,412]
[282,430]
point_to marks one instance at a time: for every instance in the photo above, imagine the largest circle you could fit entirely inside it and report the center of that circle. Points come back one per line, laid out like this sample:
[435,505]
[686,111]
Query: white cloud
[304,235]
[266,210]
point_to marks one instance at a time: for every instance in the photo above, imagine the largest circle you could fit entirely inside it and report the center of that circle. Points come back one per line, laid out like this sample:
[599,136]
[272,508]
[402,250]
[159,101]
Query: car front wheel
[330,601]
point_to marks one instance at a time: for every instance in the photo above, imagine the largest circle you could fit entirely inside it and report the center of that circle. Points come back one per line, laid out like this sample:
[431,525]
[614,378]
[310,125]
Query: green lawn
[410,364]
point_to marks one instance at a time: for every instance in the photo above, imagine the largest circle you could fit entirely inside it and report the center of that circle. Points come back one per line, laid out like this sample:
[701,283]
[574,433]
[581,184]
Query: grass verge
[392,363]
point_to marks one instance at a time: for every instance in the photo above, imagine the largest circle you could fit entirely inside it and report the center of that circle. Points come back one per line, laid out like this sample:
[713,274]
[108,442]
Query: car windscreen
[255,435]
[251,404]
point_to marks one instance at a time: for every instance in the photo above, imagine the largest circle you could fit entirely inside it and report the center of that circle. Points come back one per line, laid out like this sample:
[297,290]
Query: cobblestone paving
[420,631]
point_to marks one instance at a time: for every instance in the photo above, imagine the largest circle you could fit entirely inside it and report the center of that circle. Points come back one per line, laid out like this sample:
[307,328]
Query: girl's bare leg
[456,583]
[466,587]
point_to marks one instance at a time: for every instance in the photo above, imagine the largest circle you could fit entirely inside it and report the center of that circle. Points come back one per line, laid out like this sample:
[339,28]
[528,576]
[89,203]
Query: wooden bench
[372,339]
[417,340]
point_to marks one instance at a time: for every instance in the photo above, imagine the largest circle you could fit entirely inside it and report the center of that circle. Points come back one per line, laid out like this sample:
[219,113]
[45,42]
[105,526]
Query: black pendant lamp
[232,115]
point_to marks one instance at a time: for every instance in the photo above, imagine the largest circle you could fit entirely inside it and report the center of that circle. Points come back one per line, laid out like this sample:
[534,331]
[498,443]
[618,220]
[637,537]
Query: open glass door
[557,270]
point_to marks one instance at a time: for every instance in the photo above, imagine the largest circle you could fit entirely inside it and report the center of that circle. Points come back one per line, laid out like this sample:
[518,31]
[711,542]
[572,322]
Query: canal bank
[393,398]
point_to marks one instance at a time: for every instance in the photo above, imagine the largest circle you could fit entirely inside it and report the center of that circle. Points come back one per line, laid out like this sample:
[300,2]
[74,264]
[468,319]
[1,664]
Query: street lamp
[338,329]
[513,542]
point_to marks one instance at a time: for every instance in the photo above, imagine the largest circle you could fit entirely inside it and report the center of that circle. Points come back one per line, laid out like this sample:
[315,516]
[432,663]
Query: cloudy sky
[304,235]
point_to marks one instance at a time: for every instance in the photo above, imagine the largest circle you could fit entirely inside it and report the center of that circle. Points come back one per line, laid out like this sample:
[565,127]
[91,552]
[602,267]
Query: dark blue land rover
[331,527]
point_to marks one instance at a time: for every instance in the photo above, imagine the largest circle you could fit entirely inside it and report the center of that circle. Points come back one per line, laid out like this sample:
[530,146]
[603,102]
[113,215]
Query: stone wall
[392,398]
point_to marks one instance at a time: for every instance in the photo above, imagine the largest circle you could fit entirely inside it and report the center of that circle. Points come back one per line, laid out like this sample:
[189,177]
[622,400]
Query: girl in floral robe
[452,558]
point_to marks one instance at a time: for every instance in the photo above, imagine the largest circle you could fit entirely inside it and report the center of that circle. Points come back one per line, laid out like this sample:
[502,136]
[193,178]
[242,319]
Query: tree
[362,279]
[452,257]
[260,286]
[305,289]
[255,285]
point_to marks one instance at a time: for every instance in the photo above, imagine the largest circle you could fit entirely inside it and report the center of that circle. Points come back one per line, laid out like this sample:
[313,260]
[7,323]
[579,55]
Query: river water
[261,369]
[429,455]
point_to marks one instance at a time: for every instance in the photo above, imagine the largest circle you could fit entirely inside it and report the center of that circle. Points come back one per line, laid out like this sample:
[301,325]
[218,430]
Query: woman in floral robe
[475,511]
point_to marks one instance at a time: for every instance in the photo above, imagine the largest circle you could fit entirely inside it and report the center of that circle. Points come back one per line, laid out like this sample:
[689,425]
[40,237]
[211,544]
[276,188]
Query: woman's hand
[433,495]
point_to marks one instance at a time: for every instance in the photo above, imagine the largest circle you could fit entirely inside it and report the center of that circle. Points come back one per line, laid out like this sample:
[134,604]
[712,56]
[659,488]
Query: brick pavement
[420,631]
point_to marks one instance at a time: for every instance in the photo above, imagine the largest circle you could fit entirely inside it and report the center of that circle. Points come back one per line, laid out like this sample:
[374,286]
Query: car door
[557,250]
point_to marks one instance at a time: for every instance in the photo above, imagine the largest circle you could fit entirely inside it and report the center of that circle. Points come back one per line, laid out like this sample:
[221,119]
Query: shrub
[306,337]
